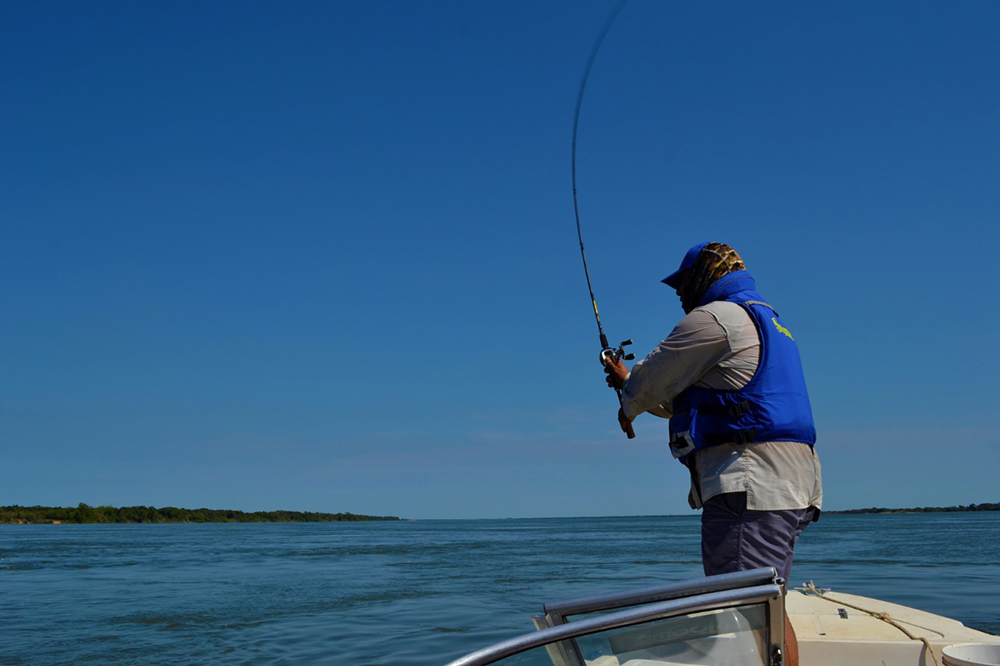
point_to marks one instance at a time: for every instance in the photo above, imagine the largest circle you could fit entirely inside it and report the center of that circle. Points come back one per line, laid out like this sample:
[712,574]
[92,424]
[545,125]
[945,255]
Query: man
[730,380]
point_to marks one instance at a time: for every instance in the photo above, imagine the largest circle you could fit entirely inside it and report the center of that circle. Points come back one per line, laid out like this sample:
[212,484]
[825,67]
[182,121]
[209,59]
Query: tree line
[84,513]
[927,509]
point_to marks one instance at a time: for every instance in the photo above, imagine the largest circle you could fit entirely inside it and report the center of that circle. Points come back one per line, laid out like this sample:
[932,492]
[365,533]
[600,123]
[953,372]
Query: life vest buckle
[682,444]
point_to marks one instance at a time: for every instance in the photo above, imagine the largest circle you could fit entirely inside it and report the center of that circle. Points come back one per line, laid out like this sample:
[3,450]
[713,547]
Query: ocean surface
[420,592]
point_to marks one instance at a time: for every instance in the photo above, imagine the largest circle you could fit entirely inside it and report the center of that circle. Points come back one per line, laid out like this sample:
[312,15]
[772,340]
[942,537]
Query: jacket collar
[728,285]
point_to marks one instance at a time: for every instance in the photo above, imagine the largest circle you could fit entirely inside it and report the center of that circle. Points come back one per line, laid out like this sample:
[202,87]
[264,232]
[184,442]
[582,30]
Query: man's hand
[617,372]
[625,423]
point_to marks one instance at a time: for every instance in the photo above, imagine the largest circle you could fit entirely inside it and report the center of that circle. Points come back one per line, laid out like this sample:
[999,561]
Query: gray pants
[734,538]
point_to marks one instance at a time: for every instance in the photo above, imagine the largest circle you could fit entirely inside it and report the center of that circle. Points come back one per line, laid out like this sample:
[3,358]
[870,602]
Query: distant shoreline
[85,514]
[924,509]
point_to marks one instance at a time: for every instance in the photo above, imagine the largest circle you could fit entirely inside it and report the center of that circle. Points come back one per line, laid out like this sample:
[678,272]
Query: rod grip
[624,422]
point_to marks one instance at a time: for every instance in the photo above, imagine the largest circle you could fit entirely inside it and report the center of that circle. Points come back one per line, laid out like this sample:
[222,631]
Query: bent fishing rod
[608,352]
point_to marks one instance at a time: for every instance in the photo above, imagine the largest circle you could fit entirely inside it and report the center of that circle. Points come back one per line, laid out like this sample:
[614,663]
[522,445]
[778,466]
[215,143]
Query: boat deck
[832,631]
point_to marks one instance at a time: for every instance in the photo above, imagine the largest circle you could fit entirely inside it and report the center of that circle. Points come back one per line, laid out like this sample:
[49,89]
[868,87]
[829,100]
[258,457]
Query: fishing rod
[608,352]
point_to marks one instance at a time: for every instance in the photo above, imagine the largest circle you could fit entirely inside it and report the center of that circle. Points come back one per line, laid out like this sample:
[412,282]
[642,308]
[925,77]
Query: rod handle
[628,424]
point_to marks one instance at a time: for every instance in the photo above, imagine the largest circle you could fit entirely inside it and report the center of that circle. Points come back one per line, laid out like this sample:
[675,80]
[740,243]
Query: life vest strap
[732,411]
[735,437]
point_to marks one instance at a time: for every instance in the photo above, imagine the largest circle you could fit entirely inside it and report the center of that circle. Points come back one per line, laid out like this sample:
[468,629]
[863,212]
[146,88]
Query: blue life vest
[772,407]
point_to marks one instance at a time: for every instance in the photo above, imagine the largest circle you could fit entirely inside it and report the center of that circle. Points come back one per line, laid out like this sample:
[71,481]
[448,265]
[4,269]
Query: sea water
[417,592]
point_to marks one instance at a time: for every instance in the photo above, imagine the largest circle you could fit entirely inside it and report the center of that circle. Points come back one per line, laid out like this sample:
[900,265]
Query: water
[418,592]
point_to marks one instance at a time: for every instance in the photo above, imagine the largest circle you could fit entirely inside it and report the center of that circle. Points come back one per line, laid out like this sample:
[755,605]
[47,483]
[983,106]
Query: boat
[736,619]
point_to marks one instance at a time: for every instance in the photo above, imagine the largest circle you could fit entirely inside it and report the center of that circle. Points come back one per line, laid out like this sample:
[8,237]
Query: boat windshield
[736,620]
[723,636]
[726,636]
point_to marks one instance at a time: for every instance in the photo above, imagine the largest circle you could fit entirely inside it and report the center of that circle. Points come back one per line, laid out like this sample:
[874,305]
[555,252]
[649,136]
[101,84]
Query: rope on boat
[809,587]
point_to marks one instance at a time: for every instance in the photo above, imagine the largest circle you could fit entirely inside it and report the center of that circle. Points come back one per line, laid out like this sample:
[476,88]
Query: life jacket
[772,407]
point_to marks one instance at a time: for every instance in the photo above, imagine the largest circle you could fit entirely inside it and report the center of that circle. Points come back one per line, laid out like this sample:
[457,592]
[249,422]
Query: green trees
[84,513]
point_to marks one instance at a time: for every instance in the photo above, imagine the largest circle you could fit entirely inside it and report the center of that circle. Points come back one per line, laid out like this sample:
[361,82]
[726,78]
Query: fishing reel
[615,355]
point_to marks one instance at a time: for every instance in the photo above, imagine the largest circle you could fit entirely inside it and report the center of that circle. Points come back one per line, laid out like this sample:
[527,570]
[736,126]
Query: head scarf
[714,261]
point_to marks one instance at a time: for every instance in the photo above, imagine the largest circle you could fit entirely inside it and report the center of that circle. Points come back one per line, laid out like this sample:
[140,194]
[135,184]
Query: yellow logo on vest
[782,328]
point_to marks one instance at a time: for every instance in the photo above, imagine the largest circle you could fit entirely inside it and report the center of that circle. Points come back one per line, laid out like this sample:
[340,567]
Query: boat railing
[558,612]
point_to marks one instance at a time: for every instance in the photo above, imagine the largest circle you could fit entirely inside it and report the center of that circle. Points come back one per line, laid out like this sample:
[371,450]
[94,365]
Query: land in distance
[168,514]
[995,506]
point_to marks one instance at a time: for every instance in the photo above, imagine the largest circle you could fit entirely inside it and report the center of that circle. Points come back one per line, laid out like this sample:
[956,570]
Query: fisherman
[729,378]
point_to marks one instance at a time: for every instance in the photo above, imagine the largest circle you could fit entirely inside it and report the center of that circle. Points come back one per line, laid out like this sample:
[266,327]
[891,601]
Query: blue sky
[322,256]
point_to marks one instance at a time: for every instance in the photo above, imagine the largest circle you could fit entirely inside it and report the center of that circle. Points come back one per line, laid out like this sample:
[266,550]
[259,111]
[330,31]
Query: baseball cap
[672,280]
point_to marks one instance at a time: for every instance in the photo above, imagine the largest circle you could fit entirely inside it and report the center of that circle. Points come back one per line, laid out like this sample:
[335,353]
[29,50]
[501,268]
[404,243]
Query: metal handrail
[676,590]
[770,593]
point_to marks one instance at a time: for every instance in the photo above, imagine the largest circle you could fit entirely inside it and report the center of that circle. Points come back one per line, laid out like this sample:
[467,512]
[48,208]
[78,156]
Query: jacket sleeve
[696,345]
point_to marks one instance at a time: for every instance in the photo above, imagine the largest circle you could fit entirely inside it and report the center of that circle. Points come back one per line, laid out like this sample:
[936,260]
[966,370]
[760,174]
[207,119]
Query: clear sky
[321,256]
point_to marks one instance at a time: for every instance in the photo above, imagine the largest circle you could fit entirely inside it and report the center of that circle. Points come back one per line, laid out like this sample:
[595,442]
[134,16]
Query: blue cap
[686,265]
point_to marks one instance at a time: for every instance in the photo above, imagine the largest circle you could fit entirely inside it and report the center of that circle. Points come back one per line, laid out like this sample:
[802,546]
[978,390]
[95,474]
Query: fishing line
[607,351]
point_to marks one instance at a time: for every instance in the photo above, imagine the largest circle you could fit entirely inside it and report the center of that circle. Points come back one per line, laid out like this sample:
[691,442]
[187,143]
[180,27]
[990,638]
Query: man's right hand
[616,371]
